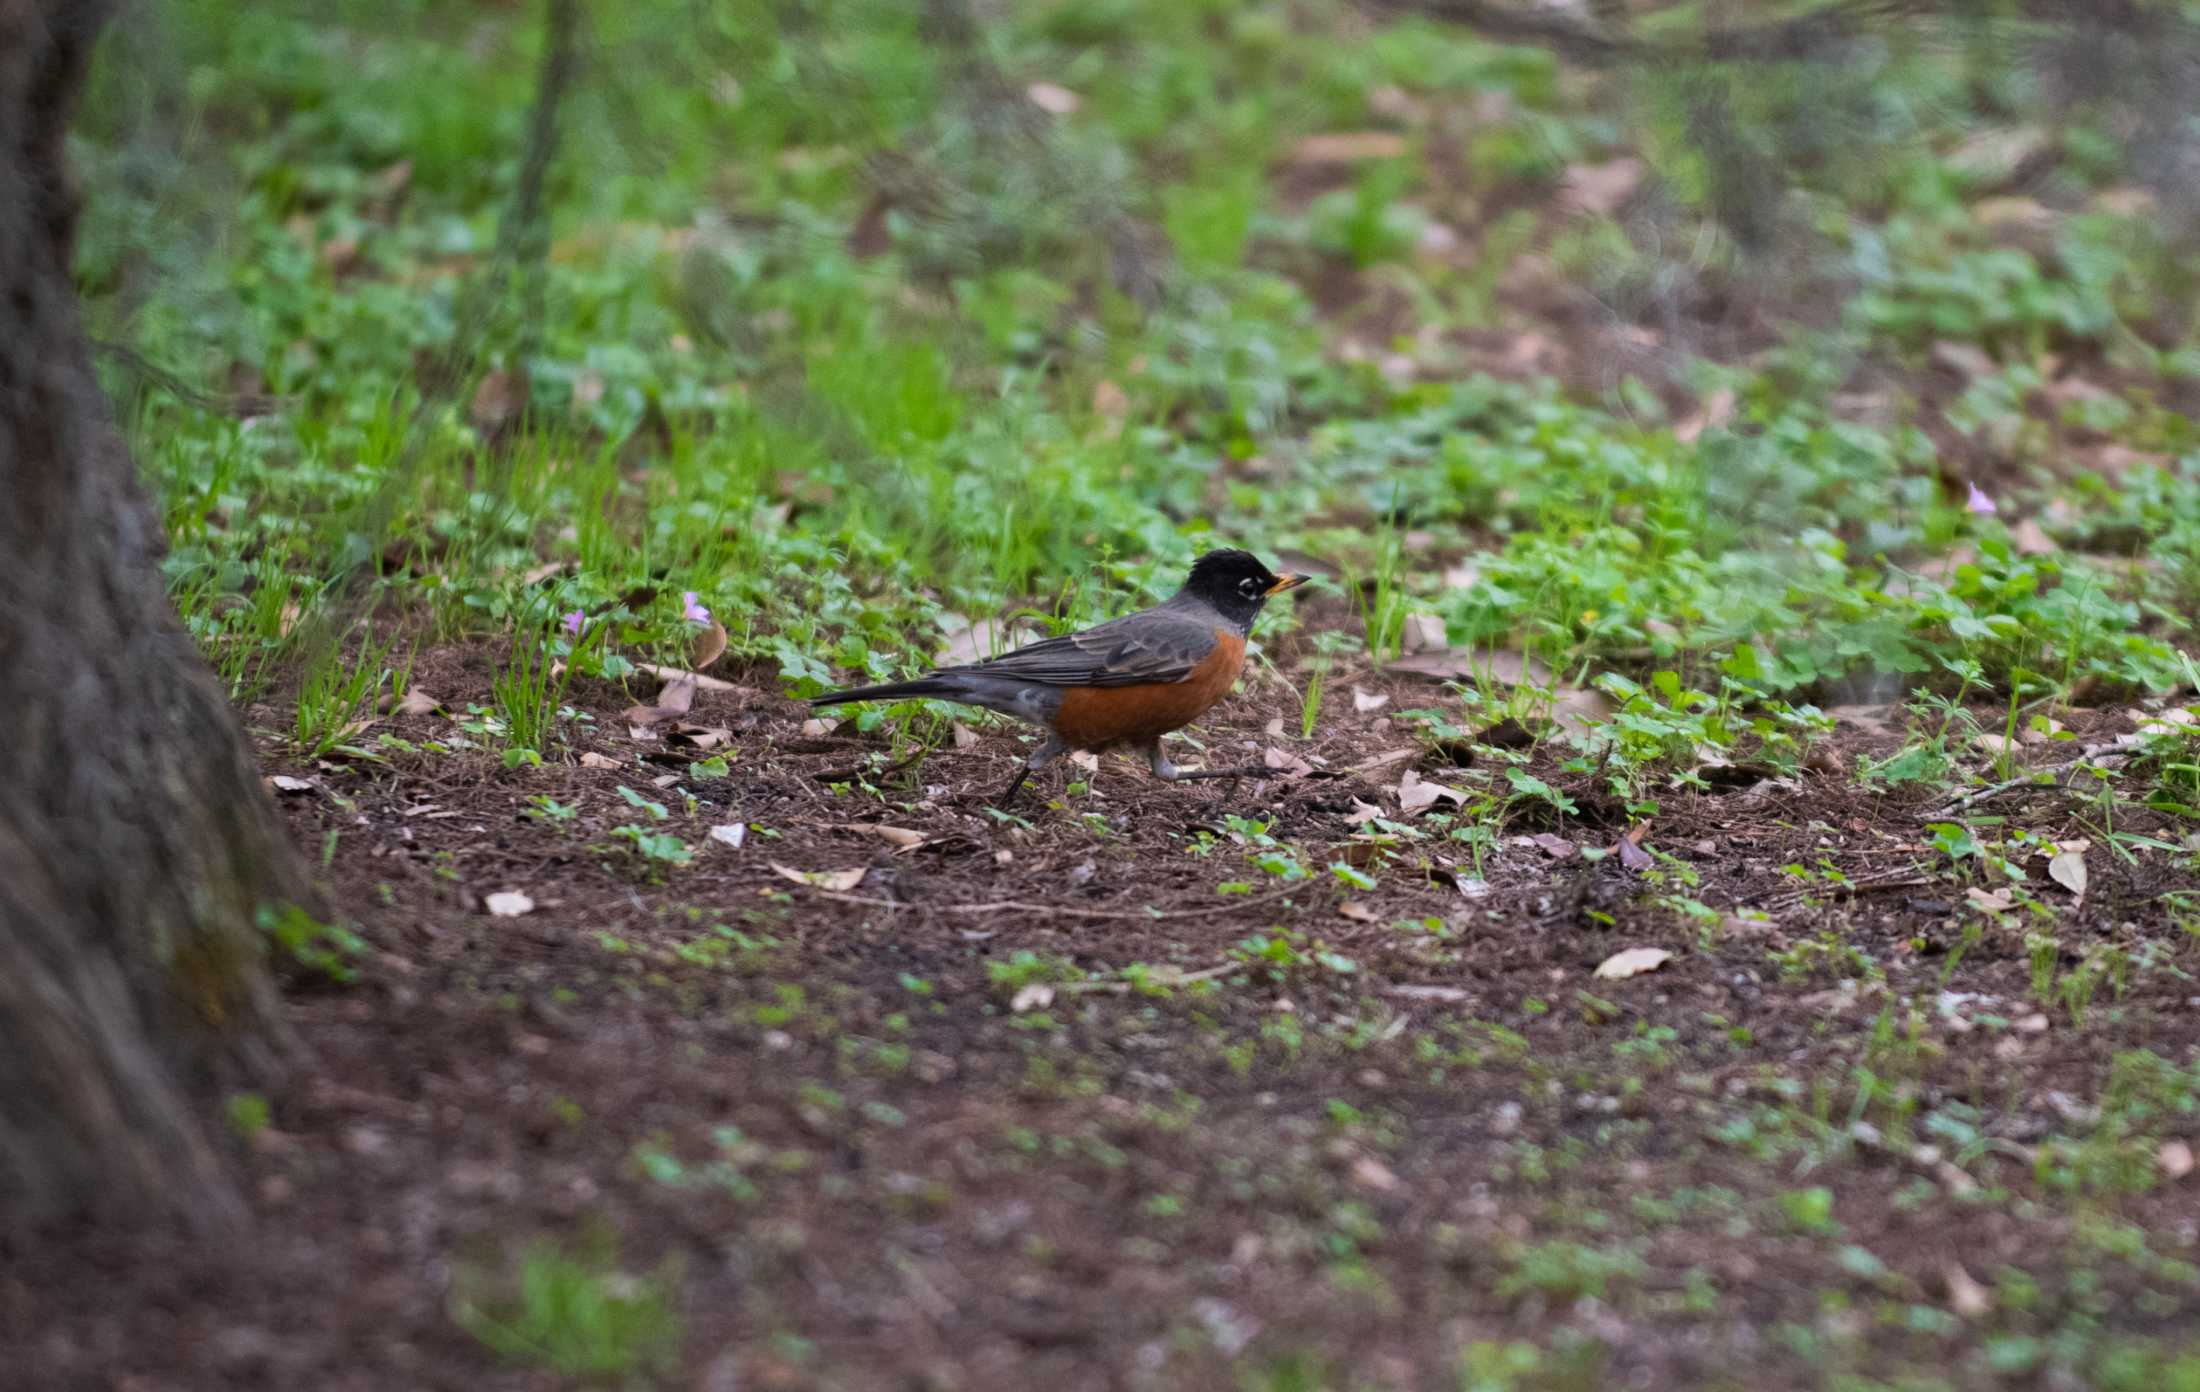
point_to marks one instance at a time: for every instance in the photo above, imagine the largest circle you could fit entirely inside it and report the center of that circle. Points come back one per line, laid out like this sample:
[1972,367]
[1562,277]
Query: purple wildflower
[693,612]
[574,623]
[1979,503]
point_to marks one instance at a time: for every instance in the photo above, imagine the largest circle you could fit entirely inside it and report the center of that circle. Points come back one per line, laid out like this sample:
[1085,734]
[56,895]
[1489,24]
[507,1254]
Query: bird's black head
[1236,583]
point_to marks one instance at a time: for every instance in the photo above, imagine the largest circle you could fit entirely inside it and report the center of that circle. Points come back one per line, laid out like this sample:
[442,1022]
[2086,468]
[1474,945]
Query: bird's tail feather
[890,691]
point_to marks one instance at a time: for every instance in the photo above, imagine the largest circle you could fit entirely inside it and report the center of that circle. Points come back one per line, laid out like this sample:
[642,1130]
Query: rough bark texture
[136,841]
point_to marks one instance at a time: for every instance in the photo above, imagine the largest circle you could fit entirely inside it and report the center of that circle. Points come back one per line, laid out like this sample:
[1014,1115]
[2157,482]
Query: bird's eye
[1250,586]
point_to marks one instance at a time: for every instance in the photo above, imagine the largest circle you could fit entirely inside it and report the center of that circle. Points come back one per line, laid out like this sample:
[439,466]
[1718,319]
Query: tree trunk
[136,841]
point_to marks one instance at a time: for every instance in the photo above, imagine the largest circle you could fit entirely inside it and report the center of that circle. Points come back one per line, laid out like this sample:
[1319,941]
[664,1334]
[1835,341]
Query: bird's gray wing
[1158,645]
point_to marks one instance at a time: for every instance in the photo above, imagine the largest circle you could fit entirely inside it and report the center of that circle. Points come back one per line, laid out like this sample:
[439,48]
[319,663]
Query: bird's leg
[1170,773]
[1159,762]
[1045,754]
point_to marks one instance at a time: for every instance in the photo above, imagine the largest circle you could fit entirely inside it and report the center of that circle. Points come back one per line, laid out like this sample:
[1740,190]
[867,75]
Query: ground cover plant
[1723,912]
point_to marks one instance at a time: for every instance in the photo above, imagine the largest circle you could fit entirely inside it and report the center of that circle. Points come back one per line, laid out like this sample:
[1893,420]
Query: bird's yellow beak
[1286,582]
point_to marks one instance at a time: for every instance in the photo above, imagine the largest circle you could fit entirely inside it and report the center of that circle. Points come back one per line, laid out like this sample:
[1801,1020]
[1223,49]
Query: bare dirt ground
[914,1126]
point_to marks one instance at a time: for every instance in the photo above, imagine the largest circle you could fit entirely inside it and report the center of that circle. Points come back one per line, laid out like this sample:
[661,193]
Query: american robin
[1128,681]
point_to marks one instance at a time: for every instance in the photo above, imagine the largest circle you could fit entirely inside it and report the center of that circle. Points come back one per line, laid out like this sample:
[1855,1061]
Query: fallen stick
[1054,910]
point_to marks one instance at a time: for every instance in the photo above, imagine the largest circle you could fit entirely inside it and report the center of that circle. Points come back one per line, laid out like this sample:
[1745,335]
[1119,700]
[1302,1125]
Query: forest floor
[1725,910]
[900,1092]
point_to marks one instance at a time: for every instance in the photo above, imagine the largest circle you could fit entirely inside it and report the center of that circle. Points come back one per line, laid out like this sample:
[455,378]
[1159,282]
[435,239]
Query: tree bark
[136,841]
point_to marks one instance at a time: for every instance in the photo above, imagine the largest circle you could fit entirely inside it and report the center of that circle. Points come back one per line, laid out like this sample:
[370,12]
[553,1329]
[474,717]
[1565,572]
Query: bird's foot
[1042,756]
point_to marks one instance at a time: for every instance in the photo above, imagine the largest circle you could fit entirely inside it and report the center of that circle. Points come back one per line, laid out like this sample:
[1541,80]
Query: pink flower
[693,612]
[1979,503]
[574,622]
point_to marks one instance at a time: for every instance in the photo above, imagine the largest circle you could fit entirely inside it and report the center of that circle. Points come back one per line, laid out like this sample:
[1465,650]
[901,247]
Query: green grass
[727,399]
[577,1315]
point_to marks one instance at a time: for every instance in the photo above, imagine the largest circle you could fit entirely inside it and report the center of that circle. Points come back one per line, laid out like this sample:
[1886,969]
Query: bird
[1123,683]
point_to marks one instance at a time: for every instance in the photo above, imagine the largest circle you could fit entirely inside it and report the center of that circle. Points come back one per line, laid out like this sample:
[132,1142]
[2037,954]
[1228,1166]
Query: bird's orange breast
[1094,717]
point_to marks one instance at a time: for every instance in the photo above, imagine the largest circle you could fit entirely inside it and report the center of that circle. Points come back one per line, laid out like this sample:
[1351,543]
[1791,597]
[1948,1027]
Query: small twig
[1051,910]
[849,775]
[242,404]
[1122,988]
[1383,760]
[2032,779]
[1871,884]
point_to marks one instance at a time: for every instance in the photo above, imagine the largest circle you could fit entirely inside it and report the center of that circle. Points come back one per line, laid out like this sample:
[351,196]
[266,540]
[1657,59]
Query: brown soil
[1349,1164]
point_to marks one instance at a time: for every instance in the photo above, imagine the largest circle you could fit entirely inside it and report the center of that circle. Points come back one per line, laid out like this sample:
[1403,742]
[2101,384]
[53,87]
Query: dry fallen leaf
[1571,705]
[1966,1296]
[416,702]
[2031,539]
[1631,853]
[2168,722]
[2068,870]
[1362,813]
[1356,911]
[817,727]
[1632,962]
[1423,633]
[839,880]
[1965,359]
[1440,663]
[673,702]
[1868,720]
[591,759]
[2125,201]
[1032,995]
[1365,701]
[1599,189]
[702,738]
[1053,100]
[708,647]
[666,673]
[1991,157]
[1556,847]
[1283,761]
[509,904]
[2175,1158]
[1384,760]
[1415,792]
[2017,217]
[284,783]
[1716,412]
[1349,147]
[1993,902]
[731,834]
[497,400]
[901,838]
[1371,1173]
